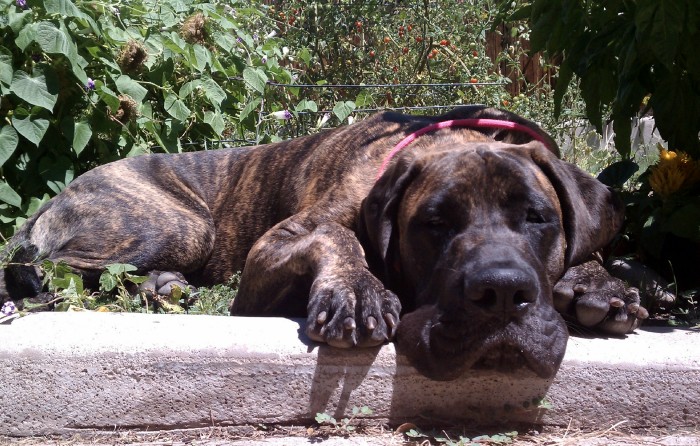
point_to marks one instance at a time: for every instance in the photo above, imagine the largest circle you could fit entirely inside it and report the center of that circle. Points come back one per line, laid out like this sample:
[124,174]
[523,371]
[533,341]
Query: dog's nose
[501,290]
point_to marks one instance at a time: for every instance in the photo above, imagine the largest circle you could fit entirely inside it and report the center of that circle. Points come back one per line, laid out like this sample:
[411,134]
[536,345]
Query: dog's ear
[592,212]
[378,214]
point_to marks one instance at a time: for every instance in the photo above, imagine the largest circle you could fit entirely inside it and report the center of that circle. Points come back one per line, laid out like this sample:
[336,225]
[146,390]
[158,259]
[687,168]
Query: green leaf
[213,92]
[54,40]
[107,281]
[31,127]
[622,125]
[343,109]
[216,121]
[255,78]
[9,196]
[135,279]
[305,55]
[616,174]
[67,281]
[364,98]
[200,56]
[127,85]
[5,66]
[81,136]
[65,8]
[17,20]
[250,106]
[175,107]
[118,269]
[189,87]
[306,104]
[8,143]
[36,203]
[57,173]
[108,97]
[563,80]
[660,24]
[26,36]
[41,90]
[685,222]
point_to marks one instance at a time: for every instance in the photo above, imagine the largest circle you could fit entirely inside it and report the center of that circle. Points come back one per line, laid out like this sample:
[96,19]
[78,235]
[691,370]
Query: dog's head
[472,237]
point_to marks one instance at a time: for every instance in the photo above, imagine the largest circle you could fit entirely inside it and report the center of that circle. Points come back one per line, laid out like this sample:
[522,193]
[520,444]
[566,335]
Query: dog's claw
[580,288]
[617,302]
[349,324]
[390,321]
[371,323]
[321,318]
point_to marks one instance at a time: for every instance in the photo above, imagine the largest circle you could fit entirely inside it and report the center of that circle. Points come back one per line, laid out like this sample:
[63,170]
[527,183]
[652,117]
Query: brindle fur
[468,230]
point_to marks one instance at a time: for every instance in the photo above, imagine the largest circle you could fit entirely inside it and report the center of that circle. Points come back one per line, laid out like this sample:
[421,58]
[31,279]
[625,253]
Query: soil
[362,435]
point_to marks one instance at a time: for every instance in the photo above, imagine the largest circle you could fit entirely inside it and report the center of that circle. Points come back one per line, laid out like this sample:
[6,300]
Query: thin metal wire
[429,85]
[372,110]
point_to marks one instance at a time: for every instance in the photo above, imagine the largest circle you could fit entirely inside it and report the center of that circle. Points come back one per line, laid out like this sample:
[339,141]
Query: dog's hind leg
[20,276]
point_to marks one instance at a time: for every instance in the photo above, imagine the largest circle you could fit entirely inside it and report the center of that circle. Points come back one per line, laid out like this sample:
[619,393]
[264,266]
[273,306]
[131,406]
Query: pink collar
[474,122]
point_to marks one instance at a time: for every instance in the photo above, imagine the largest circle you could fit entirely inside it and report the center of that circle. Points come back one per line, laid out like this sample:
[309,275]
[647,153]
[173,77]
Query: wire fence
[382,97]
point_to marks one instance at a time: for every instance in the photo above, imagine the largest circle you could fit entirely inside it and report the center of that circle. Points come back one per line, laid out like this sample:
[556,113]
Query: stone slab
[68,372]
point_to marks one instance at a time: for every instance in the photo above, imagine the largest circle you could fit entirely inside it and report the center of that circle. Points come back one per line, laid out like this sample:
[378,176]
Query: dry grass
[379,434]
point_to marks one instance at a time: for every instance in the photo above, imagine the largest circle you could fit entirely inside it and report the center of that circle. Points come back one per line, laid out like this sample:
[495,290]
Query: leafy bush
[627,56]
[87,83]
[358,57]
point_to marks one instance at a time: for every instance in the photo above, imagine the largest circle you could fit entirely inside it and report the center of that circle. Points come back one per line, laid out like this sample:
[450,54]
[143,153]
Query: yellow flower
[673,172]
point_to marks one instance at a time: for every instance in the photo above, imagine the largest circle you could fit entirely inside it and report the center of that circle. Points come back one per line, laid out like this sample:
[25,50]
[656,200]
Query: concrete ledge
[75,371]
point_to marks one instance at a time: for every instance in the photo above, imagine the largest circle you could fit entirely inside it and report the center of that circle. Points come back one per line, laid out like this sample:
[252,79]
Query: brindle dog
[463,236]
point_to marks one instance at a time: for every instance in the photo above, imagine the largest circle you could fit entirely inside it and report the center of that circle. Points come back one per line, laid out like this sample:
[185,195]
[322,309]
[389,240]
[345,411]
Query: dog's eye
[535,216]
[435,221]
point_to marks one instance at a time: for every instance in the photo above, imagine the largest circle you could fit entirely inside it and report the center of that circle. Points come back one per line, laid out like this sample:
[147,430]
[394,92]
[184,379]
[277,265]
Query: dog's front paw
[351,310]
[594,299]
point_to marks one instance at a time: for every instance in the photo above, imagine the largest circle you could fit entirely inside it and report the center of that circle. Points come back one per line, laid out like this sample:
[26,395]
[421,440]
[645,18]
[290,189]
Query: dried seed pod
[132,57]
[128,109]
[194,30]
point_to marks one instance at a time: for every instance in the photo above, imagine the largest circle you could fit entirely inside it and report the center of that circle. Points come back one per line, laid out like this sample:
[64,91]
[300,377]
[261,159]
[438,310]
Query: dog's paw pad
[596,300]
[164,283]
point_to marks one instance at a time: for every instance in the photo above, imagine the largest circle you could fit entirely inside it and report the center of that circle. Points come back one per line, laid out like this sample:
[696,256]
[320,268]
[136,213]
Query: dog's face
[472,238]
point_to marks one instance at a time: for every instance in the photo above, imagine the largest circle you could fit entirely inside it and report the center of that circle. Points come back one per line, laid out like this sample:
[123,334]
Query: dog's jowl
[463,235]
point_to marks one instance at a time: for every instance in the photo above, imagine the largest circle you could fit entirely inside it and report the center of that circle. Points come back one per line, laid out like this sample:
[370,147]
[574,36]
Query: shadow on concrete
[337,375]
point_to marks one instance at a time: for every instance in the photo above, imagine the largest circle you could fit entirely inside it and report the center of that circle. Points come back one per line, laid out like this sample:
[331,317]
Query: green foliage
[215,300]
[119,292]
[86,83]
[627,56]
[443,438]
[346,424]
[68,293]
[406,55]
